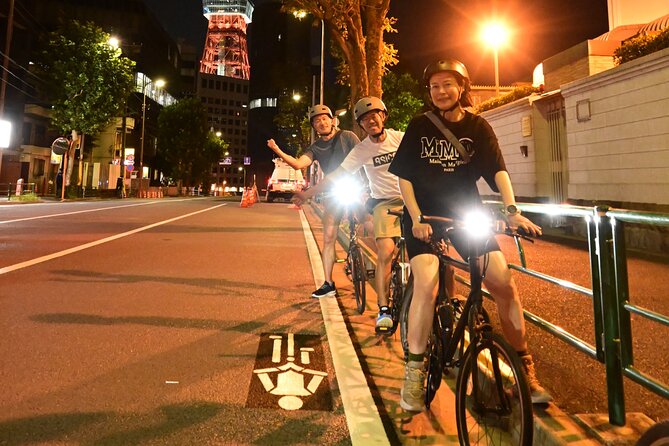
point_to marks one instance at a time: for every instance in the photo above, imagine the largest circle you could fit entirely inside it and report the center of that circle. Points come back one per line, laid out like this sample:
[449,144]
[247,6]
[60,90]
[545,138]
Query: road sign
[247,160]
[227,161]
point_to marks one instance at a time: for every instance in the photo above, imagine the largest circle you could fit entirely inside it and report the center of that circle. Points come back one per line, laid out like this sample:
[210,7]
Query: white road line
[27,263]
[362,416]
[84,211]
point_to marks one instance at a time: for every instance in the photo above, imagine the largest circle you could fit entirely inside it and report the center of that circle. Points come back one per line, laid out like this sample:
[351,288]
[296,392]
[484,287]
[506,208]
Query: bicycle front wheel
[492,402]
[359,277]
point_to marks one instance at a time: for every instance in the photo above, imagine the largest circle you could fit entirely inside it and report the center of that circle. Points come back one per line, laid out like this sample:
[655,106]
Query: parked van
[284,182]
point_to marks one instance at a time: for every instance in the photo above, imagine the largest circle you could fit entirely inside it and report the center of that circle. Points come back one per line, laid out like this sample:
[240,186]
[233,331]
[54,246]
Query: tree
[186,148]
[292,122]
[86,80]
[403,99]
[357,28]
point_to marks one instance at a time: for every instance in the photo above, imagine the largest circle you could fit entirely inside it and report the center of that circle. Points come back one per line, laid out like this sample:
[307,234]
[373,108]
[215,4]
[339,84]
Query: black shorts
[457,238]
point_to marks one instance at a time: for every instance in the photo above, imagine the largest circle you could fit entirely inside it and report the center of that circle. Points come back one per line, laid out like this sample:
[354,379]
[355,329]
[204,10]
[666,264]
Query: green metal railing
[610,297]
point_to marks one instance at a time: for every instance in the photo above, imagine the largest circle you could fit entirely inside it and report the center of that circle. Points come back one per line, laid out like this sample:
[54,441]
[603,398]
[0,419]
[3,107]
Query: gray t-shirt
[331,153]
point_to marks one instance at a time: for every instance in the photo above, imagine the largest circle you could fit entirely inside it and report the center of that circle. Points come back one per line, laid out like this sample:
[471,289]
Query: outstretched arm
[322,185]
[295,163]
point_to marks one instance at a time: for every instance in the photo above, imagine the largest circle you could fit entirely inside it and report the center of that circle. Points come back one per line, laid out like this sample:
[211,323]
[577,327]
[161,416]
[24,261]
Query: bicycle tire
[404,317]
[503,414]
[396,292]
[439,339]
[656,435]
[358,276]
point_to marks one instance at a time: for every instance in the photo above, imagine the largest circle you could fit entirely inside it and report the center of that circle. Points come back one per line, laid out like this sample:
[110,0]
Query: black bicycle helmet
[453,66]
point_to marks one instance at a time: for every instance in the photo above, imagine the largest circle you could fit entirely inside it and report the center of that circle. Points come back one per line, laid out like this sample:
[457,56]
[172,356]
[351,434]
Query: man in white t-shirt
[374,154]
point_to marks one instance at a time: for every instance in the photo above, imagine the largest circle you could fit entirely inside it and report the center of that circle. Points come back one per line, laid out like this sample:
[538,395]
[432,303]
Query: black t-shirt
[331,153]
[443,183]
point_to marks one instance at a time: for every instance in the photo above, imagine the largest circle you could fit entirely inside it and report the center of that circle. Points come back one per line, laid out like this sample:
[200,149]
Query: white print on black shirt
[386,158]
[442,152]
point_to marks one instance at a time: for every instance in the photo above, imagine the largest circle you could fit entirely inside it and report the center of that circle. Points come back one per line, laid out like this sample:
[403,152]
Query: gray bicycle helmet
[366,105]
[319,109]
[453,66]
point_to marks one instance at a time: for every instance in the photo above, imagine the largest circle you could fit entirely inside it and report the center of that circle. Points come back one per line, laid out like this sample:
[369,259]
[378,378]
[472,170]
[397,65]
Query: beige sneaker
[539,394]
[412,395]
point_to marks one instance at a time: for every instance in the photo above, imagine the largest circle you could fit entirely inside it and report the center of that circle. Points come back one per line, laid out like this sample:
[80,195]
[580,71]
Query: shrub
[641,46]
[514,95]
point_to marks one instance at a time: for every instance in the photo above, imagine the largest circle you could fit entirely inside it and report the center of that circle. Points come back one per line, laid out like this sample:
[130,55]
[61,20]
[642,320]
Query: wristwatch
[512,209]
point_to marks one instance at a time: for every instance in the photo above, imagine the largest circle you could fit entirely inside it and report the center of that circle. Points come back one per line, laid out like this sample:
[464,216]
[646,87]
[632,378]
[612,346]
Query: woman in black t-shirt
[438,178]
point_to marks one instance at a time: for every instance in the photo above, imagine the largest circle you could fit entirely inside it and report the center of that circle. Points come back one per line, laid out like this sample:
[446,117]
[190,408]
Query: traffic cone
[256,197]
[253,198]
[245,199]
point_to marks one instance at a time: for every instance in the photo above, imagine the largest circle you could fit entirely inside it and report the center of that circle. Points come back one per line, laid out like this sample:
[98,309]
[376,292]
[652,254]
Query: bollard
[19,187]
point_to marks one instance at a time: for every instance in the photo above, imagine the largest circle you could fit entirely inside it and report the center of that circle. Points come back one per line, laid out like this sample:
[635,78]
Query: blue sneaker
[384,322]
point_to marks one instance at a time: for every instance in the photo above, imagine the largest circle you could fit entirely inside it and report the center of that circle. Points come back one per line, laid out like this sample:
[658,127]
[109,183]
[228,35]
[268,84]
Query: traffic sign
[247,160]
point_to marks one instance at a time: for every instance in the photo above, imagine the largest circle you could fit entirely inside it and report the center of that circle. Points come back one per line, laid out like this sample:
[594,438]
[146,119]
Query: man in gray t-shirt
[329,150]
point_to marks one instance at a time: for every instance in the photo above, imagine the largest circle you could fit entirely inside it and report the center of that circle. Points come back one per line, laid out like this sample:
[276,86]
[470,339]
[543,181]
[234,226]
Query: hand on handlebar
[519,222]
[422,231]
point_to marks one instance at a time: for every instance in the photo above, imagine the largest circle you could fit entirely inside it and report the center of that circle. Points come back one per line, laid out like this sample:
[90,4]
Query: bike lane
[382,362]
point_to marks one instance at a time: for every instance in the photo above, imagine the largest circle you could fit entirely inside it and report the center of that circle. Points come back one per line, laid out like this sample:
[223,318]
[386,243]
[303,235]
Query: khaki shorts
[386,225]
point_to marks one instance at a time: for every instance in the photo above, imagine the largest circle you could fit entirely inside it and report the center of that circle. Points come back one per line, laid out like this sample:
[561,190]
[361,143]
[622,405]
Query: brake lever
[520,233]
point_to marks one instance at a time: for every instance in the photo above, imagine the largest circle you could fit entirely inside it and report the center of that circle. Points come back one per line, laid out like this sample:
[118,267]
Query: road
[167,322]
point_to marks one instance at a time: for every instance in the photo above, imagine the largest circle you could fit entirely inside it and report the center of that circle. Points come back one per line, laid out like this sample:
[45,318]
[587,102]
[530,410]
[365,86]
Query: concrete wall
[619,136]
[617,143]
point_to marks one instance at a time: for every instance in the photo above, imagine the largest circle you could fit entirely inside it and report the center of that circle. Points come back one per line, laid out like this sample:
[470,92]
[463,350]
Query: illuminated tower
[225,50]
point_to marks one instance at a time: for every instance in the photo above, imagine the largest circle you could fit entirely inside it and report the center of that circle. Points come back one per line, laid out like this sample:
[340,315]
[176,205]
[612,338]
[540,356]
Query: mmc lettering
[438,149]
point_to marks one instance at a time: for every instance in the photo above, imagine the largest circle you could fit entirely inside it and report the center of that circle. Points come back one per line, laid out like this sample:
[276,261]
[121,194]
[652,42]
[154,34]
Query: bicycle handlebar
[508,231]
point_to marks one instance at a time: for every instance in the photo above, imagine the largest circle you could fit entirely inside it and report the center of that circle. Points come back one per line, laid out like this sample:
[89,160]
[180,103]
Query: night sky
[432,29]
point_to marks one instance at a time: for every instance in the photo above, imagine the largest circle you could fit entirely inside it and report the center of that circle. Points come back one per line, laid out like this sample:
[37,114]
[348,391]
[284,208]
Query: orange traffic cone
[245,199]
[256,198]
[253,198]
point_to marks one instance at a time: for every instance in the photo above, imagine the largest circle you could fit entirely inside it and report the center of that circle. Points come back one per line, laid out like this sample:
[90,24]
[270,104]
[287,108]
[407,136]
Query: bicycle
[493,401]
[398,282]
[354,265]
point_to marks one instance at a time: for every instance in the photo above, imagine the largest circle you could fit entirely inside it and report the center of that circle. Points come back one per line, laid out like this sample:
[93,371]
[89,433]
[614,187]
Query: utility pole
[5,64]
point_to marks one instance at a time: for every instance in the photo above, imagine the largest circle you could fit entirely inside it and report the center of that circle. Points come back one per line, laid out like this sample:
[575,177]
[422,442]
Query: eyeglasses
[374,114]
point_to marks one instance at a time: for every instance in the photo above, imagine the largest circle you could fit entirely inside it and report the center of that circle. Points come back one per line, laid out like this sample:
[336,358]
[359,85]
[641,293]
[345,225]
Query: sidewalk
[382,360]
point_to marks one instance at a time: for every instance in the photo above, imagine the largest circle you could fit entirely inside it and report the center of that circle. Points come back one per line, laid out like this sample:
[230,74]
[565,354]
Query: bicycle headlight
[347,190]
[478,224]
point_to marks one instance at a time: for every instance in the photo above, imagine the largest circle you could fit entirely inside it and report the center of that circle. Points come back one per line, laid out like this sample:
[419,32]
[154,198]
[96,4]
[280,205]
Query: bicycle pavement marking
[55,255]
[362,416]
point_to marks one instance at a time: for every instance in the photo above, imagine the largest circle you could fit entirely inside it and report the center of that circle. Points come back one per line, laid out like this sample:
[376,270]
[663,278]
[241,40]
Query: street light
[158,83]
[495,35]
[240,168]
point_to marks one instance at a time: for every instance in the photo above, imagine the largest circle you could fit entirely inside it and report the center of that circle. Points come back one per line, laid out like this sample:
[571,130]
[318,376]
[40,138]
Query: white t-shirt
[375,159]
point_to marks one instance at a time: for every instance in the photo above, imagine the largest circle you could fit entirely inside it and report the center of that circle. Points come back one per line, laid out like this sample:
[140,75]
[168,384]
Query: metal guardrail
[609,294]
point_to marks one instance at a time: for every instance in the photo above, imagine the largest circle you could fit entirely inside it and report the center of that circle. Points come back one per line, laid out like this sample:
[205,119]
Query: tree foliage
[292,122]
[186,148]
[357,27]
[86,80]
[403,99]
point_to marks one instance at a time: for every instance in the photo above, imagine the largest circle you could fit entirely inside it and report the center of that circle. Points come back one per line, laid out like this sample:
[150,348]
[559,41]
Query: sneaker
[384,322]
[326,290]
[539,394]
[412,395]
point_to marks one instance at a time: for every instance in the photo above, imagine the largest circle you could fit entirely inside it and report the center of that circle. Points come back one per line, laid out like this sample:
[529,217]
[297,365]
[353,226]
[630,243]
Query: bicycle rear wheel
[396,292]
[359,277]
[404,316]
[492,401]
